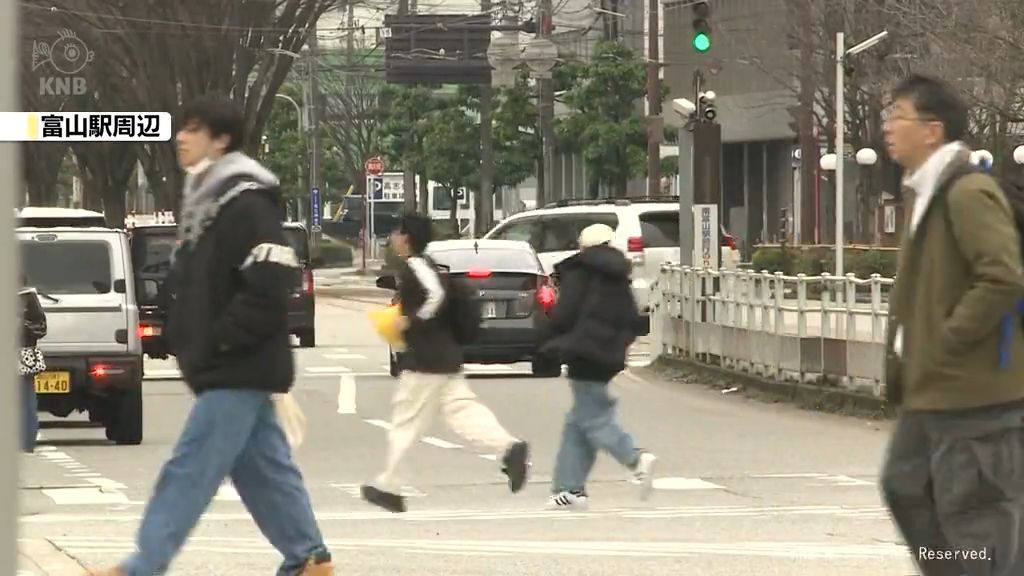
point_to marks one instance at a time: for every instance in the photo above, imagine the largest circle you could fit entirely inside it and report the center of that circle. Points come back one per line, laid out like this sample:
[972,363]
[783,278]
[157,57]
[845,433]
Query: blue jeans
[590,426]
[29,414]
[228,433]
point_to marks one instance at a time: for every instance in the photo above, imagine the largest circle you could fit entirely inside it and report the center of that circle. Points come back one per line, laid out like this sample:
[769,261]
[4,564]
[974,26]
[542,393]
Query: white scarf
[925,180]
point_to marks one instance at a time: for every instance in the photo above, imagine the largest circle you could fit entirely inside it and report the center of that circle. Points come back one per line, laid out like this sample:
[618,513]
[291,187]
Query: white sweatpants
[416,403]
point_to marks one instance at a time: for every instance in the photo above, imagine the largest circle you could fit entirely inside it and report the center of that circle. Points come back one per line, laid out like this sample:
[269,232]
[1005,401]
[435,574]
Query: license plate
[53,383]
[489,310]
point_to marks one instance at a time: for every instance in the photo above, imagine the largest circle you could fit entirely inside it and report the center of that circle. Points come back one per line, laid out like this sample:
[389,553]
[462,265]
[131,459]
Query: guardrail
[787,328]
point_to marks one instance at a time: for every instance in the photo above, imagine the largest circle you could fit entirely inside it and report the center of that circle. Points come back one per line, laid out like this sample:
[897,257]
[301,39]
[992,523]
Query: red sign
[374,166]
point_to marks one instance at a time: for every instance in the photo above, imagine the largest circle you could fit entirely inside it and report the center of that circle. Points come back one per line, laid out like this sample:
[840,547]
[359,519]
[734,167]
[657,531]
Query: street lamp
[298,109]
[1018,155]
[541,55]
[841,55]
[504,56]
[867,157]
[982,158]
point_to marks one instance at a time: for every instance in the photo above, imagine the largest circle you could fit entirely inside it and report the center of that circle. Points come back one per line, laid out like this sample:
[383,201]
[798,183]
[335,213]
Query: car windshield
[494,259]
[152,251]
[660,229]
[78,267]
[299,242]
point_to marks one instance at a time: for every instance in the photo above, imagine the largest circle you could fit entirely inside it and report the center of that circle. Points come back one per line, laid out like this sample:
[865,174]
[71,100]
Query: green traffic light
[701,42]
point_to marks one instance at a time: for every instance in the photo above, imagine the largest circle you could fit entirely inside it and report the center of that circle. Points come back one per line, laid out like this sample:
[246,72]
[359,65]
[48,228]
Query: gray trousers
[954,482]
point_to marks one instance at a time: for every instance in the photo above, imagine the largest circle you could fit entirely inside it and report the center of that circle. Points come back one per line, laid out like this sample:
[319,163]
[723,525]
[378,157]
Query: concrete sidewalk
[39,557]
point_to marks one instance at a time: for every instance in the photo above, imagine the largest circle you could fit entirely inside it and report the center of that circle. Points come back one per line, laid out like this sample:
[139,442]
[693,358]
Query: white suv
[92,348]
[646,230]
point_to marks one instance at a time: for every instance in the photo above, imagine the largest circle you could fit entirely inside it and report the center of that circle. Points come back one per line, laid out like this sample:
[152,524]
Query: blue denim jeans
[228,433]
[590,426]
[29,414]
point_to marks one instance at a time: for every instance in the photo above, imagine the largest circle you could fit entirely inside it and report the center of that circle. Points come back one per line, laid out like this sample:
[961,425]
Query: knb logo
[67,55]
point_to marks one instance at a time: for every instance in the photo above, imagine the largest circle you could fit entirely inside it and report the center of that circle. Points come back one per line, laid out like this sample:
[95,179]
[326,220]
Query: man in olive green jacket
[954,473]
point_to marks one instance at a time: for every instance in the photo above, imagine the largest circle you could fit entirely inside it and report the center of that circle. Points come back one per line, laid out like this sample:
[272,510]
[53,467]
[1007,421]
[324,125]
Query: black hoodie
[594,321]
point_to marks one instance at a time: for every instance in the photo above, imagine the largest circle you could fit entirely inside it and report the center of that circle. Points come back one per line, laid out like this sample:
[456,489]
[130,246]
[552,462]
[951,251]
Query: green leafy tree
[403,119]
[517,143]
[452,138]
[604,125]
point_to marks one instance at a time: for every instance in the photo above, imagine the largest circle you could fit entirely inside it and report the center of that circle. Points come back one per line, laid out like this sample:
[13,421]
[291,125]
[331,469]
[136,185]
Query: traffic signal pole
[655,125]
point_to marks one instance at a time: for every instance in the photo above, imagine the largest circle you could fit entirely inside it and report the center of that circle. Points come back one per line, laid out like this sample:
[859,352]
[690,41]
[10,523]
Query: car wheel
[546,368]
[125,424]
[307,339]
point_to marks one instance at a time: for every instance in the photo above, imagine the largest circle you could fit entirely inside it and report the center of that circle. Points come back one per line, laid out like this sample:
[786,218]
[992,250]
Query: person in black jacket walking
[228,327]
[593,324]
[33,328]
[433,377]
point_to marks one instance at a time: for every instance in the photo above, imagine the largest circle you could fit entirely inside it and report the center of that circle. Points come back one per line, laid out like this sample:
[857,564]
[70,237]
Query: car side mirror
[388,282]
[150,290]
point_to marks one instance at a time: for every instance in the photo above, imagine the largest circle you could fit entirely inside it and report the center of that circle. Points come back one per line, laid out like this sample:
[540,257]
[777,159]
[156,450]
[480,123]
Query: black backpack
[463,311]
[461,306]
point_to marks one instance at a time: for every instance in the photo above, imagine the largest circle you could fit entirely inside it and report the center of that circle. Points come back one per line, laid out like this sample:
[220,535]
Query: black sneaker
[386,500]
[515,464]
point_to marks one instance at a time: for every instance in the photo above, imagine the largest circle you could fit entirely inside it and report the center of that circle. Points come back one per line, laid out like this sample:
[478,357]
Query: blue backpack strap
[1006,335]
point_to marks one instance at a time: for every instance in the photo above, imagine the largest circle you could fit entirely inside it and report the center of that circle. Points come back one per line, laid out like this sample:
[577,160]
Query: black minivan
[152,246]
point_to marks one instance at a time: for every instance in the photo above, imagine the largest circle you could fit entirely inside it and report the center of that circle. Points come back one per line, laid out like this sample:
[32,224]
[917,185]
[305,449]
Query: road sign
[375,186]
[706,242]
[374,166]
[314,209]
[317,228]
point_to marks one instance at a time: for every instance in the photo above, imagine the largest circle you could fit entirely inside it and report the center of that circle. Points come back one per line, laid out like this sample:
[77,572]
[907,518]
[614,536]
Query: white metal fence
[787,328]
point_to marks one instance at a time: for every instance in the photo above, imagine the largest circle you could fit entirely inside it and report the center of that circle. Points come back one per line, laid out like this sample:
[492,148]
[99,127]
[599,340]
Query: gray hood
[205,193]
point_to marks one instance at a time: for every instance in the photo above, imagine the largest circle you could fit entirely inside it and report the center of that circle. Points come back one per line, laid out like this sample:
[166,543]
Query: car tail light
[546,297]
[148,330]
[103,371]
[478,274]
[635,244]
[307,281]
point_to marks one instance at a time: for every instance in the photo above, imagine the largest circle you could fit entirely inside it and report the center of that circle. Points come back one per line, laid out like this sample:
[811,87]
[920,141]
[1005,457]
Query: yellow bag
[385,322]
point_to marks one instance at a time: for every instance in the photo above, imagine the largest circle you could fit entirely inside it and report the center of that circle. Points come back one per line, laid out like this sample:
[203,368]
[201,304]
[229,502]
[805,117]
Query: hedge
[335,254]
[862,261]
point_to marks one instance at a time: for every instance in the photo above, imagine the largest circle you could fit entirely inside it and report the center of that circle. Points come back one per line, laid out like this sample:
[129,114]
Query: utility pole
[408,170]
[314,126]
[238,83]
[806,210]
[351,43]
[655,126]
[484,210]
[547,112]
[9,392]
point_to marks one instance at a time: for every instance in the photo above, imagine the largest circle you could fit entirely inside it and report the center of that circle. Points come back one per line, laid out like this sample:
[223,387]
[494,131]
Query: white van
[92,348]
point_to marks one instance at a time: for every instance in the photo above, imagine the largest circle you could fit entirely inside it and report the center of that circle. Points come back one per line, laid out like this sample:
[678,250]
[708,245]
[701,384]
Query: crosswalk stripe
[848,512]
[777,549]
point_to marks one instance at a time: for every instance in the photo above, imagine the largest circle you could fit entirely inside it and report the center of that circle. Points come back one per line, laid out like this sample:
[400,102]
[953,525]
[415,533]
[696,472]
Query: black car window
[660,229]
[299,241]
[73,267]
[562,231]
[151,251]
[523,229]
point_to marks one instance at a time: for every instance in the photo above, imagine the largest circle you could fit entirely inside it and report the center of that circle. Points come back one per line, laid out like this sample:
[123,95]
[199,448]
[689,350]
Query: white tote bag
[290,418]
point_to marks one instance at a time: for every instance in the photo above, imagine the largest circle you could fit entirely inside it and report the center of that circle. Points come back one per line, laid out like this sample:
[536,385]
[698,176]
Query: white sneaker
[567,501]
[643,474]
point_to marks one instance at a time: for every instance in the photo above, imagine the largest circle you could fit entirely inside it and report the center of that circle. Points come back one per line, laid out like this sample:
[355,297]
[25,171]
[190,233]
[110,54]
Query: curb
[805,395]
[45,559]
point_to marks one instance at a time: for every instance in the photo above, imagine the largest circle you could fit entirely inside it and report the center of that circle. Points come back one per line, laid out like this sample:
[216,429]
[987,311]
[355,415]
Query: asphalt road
[744,487]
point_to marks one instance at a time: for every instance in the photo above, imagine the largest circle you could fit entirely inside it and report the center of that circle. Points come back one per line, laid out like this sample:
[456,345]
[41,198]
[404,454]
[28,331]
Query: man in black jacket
[592,327]
[228,328]
[433,376]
